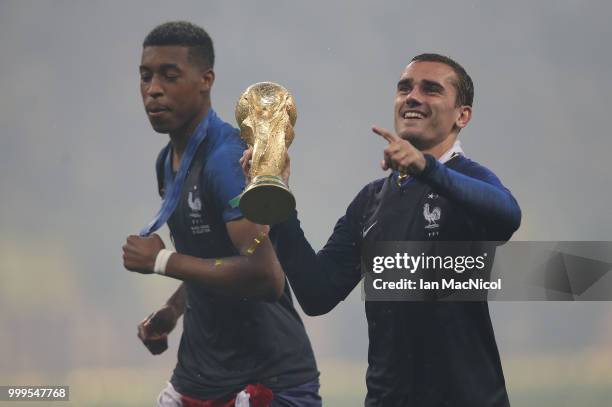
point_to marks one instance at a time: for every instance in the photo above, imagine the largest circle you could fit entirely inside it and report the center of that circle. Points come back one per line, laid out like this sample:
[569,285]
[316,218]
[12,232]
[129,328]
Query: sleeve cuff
[232,214]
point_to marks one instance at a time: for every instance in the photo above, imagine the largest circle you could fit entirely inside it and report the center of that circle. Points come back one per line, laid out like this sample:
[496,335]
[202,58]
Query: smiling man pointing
[420,353]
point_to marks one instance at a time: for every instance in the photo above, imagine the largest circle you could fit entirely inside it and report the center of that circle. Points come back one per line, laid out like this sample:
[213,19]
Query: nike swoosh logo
[365,232]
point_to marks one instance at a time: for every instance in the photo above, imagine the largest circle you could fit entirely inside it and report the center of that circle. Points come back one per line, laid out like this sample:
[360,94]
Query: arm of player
[253,274]
[486,197]
[481,194]
[153,331]
[319,280]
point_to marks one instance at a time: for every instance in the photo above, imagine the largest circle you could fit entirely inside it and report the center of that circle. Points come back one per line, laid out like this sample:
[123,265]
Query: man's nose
[155,88]
[413,99]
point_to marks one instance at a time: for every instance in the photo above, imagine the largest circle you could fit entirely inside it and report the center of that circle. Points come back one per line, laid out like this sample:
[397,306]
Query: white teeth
[413,115]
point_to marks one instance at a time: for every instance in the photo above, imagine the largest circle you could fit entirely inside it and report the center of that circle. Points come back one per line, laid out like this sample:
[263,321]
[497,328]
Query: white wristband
[161,261]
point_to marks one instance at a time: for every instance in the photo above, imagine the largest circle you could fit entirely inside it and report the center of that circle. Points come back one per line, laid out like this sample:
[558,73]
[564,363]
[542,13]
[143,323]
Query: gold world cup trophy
[266,115]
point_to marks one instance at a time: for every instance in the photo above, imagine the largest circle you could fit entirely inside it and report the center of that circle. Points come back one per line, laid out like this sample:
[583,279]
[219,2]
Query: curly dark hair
[186,34]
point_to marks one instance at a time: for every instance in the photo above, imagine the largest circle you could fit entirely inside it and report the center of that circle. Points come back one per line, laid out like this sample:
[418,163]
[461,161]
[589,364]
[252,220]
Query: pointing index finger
[386,134]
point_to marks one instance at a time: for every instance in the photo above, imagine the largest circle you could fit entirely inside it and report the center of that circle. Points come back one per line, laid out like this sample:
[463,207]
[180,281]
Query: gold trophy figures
[266,115]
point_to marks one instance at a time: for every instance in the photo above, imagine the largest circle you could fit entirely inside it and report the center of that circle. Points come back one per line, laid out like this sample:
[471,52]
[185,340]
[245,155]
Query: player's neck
[439,149]
[180,138]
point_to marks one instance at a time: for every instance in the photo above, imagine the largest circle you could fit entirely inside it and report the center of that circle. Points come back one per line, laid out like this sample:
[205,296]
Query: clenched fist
[139,253]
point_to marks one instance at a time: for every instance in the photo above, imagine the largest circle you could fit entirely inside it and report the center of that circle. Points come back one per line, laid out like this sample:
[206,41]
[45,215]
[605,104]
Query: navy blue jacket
[420,353]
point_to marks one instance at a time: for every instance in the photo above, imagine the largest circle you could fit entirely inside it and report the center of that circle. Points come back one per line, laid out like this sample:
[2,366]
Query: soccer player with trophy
[243,343]
[421,354]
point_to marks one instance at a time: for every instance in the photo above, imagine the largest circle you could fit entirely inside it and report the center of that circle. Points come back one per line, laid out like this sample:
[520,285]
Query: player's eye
[404,89]
[432,89]
[171,75]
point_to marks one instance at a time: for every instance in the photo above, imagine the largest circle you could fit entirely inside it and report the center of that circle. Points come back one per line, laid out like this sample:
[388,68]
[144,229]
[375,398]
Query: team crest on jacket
[198,221]
[195,204]
[432,216]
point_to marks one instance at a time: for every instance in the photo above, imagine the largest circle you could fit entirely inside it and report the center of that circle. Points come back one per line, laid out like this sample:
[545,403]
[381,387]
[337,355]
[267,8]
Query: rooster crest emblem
[195,204]
[431,216]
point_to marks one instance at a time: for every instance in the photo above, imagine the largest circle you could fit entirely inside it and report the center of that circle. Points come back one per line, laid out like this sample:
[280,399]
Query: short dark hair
[463,84]
[186,34]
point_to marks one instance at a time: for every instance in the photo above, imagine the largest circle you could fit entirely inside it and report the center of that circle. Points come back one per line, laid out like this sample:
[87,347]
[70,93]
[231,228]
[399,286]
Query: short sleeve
[224,179]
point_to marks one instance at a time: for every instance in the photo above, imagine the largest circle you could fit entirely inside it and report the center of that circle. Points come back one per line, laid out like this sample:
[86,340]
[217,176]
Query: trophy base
[267,200]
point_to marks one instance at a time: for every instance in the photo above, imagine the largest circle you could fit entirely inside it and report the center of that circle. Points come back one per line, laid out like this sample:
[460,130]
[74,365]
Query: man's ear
[465,114]
[207,80]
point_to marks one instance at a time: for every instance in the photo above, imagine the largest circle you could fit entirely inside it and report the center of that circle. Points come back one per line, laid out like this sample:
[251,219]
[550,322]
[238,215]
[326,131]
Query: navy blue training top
[420,353]
[227,342]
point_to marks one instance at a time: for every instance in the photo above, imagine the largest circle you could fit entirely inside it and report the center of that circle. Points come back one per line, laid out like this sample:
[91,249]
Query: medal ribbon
[173,187]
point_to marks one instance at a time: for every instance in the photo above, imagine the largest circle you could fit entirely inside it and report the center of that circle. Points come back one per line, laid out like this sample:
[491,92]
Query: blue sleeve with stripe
[480,192]
[321,280]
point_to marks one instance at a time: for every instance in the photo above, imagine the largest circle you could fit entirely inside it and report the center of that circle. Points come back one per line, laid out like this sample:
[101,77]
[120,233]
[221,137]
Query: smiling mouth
[413,115]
